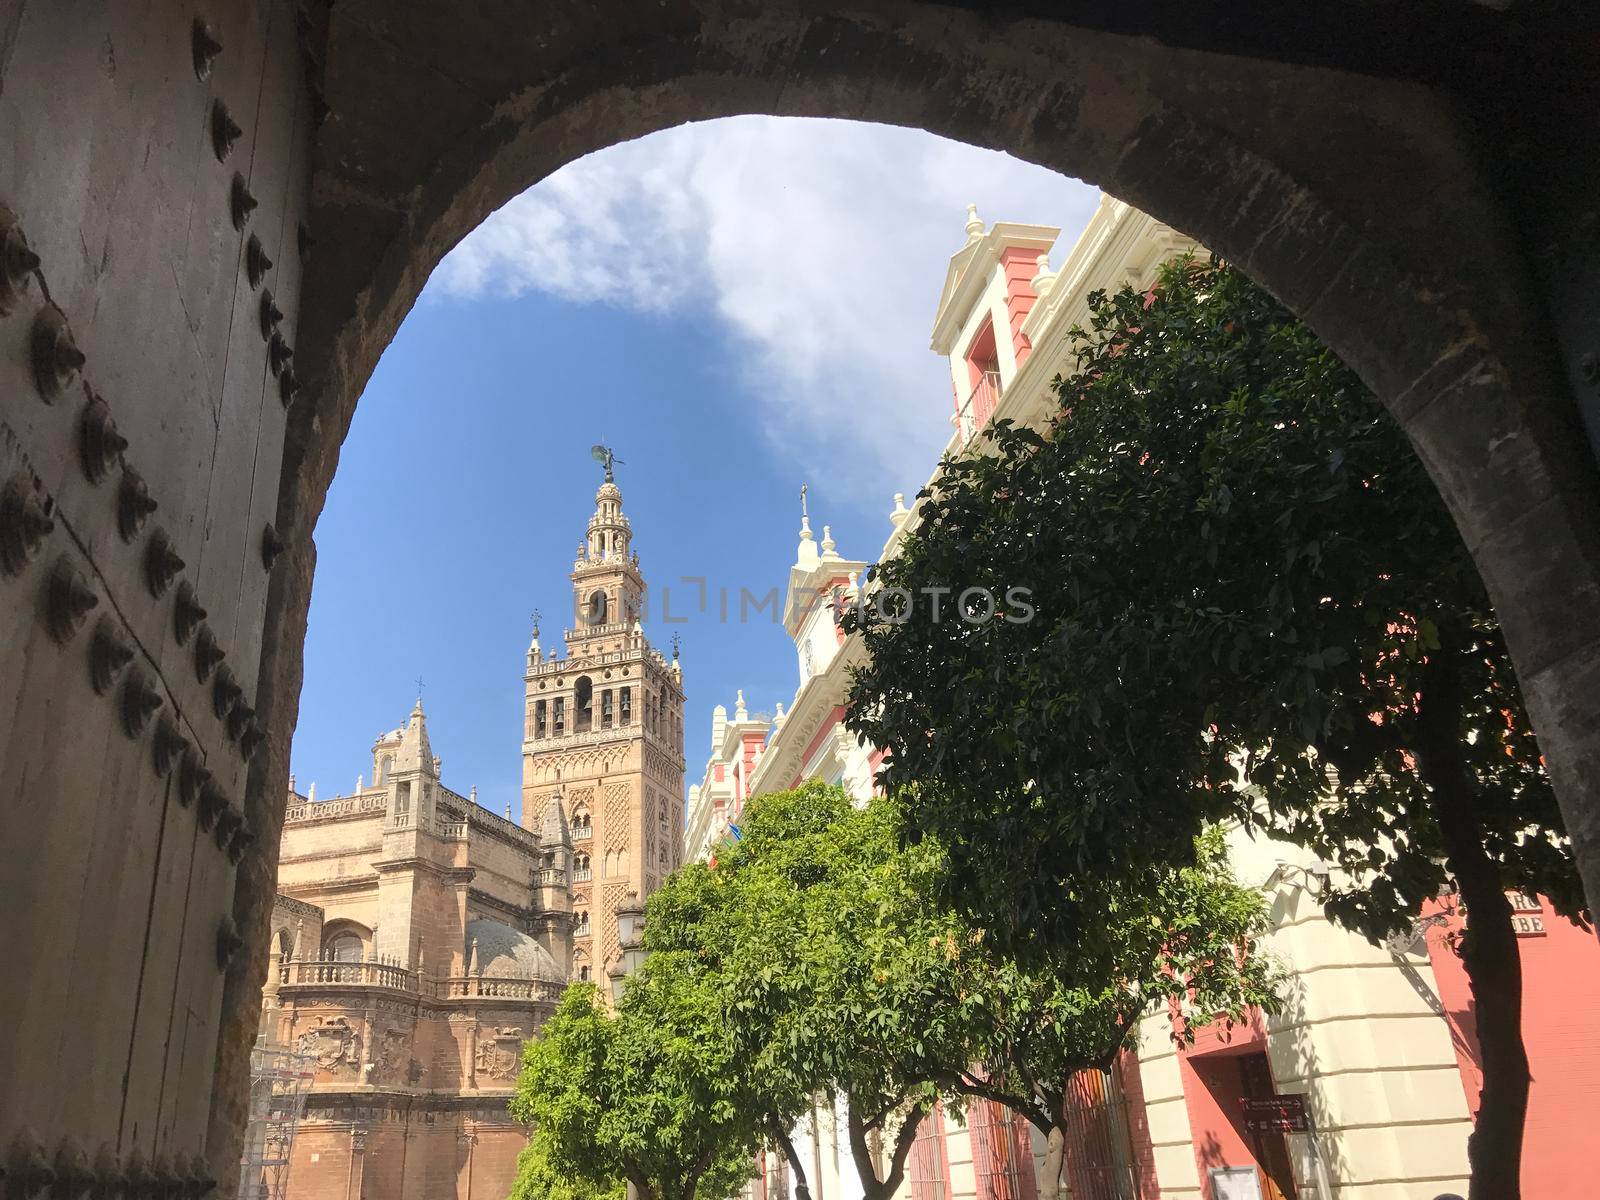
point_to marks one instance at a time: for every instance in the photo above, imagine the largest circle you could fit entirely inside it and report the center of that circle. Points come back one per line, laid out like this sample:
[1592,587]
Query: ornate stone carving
[334,1044]
[391,1054]
[499,1052]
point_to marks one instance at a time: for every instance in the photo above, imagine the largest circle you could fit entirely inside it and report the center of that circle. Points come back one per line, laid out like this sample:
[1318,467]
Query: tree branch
[902,1150]
[967,1085]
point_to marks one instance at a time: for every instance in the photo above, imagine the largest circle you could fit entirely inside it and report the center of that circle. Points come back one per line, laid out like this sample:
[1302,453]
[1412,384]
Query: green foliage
[1184,944]
[538,1179]
[834,974]
[837,975]
[1234,557]
[637,1095]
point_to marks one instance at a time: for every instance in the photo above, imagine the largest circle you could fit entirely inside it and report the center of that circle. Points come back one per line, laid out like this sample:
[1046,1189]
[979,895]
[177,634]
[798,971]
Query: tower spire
[806,557]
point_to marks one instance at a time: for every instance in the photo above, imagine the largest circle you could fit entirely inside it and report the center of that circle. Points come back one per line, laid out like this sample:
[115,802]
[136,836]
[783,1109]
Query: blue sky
[737,307]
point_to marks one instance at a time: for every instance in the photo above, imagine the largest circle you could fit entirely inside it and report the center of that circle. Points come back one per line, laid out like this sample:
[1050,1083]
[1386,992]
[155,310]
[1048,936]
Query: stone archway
[1399,185]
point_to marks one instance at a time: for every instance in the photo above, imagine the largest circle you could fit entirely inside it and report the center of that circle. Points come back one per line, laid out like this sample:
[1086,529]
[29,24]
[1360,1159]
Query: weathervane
[803,511]
[603,455]
[536,622]
[419,689]
[677,645]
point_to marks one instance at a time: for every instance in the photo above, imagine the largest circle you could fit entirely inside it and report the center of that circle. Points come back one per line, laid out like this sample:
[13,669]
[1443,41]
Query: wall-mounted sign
[1286,1114]
[1234,1183]
[1527,915]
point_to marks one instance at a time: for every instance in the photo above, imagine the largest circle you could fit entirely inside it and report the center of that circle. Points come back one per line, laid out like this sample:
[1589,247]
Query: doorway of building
[1270,1147]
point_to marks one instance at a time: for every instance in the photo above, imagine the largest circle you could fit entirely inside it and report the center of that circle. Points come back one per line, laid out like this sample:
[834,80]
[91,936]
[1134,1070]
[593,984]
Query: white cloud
[822,246]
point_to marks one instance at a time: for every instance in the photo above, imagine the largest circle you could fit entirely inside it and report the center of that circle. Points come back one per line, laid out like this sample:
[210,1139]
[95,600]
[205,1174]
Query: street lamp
[614,977]
[630,919]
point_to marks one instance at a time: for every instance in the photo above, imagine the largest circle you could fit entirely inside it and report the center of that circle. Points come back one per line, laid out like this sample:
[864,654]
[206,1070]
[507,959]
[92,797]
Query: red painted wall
[1211,1094]
[1560,980]
[1020,266]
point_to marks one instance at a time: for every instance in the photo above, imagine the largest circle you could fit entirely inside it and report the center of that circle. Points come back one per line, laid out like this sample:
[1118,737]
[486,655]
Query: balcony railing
[467,987]
[331,973]
[979,406]
[358,974]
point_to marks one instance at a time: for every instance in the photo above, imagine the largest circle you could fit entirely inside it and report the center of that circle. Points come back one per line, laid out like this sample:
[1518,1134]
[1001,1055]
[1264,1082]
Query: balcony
[974,412]
[328,972]
[332,974]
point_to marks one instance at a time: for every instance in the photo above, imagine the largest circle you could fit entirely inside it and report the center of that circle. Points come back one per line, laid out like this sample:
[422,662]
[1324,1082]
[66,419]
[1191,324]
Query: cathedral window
[626,706]
[605,709]
[583,973]
[385,768]
[596,614]
[583,705]
[402,802]
[581,871]
[539,719]
[560,718]
[581,929]
[345,946]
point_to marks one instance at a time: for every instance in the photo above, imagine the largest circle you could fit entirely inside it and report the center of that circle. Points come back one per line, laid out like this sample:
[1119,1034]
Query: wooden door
[1271,1148]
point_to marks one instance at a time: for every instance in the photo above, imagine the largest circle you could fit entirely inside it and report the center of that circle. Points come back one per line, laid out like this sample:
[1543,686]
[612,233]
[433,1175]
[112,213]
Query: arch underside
[1378,206]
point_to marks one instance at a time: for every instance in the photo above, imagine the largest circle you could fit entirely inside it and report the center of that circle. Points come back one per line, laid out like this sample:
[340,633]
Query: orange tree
[1247,602]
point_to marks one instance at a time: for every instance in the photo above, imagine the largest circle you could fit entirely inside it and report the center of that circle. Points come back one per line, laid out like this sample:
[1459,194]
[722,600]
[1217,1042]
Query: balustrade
[336,973]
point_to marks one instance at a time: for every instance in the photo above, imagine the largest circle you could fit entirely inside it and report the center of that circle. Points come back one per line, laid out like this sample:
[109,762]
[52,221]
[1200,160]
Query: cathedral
[419,938]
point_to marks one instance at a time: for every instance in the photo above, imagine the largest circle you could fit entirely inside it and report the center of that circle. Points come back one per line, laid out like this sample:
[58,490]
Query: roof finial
[974,223]
[739,711]
[806,558]
[828,547]
[901,512]
[1044,279]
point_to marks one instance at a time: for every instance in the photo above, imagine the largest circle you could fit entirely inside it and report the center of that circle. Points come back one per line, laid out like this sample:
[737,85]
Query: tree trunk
[1489,946]
[873,1188]
[1054,1161]
[781,1136]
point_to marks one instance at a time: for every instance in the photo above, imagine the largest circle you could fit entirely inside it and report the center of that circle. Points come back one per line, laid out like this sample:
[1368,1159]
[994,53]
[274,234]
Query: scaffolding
[279,1081]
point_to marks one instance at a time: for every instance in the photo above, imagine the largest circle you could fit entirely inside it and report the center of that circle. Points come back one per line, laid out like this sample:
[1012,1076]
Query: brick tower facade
[604,730]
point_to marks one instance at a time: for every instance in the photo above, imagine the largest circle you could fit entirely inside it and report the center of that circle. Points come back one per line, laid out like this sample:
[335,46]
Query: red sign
[1286,1114]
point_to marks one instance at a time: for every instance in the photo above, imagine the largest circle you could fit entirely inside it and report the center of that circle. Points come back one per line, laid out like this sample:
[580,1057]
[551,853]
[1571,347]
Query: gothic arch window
[595,611]
[581,869]
[386,766]
[344,941]
[582,825]
[625,706]
[285,946]
[583,973]
[581,927]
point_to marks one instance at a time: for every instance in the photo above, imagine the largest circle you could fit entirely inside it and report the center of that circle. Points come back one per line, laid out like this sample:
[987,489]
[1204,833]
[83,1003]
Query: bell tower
[603,735]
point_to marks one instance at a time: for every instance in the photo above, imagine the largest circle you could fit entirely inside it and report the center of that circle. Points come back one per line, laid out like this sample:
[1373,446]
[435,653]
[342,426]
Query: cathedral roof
[507,953]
